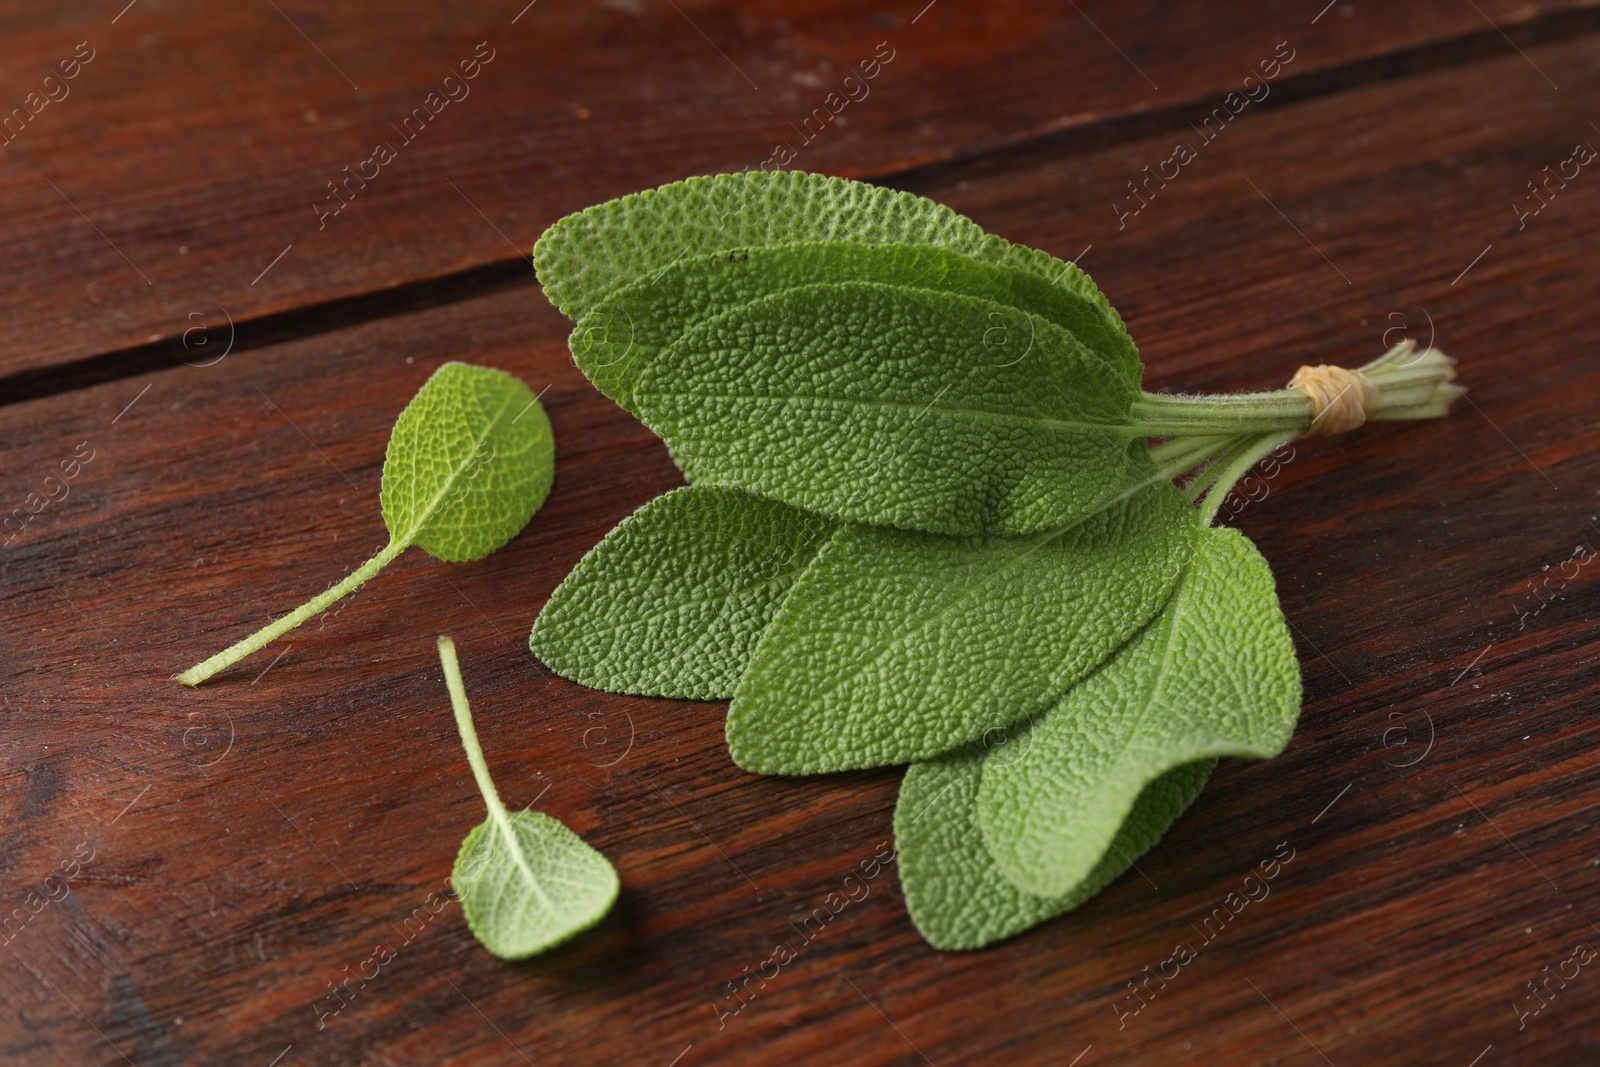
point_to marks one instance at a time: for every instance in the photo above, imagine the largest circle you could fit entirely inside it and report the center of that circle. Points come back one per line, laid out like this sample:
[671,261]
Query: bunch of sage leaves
[926,524]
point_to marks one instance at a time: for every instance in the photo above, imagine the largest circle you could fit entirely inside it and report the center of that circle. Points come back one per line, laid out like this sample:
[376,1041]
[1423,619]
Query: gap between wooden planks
[519,152]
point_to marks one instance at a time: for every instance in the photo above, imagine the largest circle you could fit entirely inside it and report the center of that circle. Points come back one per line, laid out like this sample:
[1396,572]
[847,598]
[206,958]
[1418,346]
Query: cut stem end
[1221,438]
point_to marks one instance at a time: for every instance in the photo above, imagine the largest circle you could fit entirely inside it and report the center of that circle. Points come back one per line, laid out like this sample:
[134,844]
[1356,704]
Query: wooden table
[218,358]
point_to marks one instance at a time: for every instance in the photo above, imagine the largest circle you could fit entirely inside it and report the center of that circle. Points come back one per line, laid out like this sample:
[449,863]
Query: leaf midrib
[416,528]
[1125,430]
[1181,599]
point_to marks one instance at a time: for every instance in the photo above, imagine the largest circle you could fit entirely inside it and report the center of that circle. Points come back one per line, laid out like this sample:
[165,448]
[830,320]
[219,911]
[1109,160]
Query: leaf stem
[1184,453]
[1412,385]
[236,652]
[1211,470]
[480,769]
[1225,436]
[1237,466]
[1167,415]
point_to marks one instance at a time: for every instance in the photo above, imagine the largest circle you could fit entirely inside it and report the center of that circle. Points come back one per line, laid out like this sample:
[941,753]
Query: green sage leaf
[470,460]
[586,256]
[525,893]
[672,602]
[526,882]
[956,894]
[1213,675]
[895,406]
[631,327]
[896,646]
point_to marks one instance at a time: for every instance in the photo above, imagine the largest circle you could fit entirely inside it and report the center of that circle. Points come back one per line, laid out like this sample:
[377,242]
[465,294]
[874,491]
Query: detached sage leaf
[526,882]
[630,329]
[956,894]
[896,646]
[470,460]
[1213,675]
[585,257]
[672,602]
[895,406]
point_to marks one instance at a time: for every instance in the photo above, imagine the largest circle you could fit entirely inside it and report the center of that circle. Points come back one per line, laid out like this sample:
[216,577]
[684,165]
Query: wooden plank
[1430,879]
[181,185]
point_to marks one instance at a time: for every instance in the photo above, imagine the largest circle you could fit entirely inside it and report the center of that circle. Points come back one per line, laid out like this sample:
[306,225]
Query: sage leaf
[469,461]
[526,882]
[586,256]
[896,646]
[672,602]
[956,894]
[1213,675]
[895,406]
[631,327]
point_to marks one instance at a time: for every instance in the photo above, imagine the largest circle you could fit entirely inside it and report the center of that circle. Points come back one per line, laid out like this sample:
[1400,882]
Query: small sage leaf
[956,894]
[896,646]
[1213,675]
[895,406]
[526,882]
[470,460]
[672,602]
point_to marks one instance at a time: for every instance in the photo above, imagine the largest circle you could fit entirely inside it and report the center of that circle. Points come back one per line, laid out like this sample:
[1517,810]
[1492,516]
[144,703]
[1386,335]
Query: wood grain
[256,837]
[151,204]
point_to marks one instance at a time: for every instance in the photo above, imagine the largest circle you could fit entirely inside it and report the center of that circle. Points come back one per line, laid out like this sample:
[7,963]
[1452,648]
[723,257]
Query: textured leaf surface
[672,602]
[1213,675]
[585,257]
[895,406]
[526,895]
[470,460]
[635,324]
[955,892]
[896,646]
[525,881]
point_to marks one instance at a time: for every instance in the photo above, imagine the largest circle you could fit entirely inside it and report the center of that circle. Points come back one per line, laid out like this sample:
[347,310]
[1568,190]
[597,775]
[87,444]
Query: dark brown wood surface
[253,839]
[146,206]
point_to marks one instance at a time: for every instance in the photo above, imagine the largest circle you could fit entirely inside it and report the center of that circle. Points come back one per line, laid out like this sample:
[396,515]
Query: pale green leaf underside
[1213,675]
[629,330]
[895,406]
[585,257]
[470,460]
[957,896]
[560,888]
[672,602]
[897,646]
